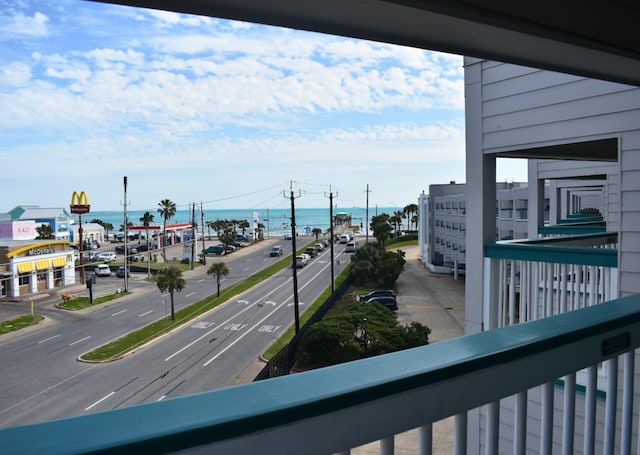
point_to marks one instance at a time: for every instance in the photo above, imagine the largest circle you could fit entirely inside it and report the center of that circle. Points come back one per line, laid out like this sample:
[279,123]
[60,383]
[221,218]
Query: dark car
[377,293]
[242,238]
[311,251]
[388,301]
[214,249]
[122,248]
[121,271]
[146,247]
[276,251]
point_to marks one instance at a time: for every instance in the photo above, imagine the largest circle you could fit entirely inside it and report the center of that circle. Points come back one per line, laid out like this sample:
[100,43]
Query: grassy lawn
[80,303]
[19,323]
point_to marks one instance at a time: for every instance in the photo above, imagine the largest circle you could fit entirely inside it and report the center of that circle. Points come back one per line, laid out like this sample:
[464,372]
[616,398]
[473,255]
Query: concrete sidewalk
[436,301]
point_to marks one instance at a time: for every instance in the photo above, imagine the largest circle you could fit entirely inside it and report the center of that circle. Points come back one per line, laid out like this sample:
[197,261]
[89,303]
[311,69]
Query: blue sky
[228,113]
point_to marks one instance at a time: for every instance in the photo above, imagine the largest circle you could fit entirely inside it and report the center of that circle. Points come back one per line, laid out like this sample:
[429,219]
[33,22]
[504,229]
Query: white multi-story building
[443,226]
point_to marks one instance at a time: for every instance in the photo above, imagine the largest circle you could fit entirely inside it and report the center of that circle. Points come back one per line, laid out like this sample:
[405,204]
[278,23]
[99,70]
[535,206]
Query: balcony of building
[336,409]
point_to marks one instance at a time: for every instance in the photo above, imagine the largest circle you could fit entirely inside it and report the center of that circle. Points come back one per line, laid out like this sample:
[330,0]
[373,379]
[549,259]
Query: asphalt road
[44,380]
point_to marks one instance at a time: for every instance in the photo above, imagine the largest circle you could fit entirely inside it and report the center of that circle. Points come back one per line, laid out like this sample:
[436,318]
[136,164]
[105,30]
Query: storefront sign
[79,203]
[41,250]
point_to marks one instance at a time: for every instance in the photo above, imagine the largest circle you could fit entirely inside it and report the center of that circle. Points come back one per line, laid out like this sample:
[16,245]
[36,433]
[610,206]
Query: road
[45,381]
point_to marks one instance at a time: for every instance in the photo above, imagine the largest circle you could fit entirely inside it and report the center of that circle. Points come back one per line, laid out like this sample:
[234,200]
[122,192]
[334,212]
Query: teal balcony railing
[533,279]
[335,409]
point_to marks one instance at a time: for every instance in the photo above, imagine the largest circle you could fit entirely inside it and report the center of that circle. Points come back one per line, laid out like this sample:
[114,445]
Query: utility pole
[296,302]
[193,232]
[126,239]
[202,229]
[331,239]
[366,225]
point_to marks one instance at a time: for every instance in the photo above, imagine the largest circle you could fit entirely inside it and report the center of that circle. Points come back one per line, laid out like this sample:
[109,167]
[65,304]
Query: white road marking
[119,312]
[161,398]
[79,341]
[144,314]
[189,295]
[99,401]
[48,339]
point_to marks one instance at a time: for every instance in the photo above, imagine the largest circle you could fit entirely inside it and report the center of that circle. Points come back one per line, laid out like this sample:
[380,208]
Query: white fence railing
[529,280]
[335,409]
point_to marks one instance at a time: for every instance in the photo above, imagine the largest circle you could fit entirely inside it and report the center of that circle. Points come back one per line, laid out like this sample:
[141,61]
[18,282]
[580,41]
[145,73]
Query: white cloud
[21,25]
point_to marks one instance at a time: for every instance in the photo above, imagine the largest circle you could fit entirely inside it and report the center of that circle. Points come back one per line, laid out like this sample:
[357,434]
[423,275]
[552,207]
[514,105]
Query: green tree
[167,210]
[359,330]
[108,227]
[371,263]
[97,221]
[396,221]
[381,228]
[316,232]
[146,219]
[44,231]
[218,269]
[408,211]
[170,279]
[244,225]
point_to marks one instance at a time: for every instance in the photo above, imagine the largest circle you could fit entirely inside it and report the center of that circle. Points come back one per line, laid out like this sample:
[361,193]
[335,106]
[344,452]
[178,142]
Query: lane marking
[119,312]
[189,295]
[49,339]
[100,401]
[79,341]
[144,314]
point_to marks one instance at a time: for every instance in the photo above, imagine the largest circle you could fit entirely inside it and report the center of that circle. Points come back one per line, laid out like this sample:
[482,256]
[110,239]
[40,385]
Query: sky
[224,113]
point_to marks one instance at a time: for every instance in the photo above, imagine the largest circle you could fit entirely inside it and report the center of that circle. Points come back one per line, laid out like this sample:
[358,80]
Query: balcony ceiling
[594,38]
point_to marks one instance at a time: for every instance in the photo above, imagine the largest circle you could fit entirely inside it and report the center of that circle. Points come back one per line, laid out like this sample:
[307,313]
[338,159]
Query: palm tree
[170,279]
[44,231]
[396,221]
[316,232]
[408,211]
[107,227]
[219,269]
[146,221]
[244,225]
[167,210]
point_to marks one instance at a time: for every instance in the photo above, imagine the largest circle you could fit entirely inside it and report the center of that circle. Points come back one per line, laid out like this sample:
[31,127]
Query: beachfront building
[92,233]
[442,230]
[581,138]
[56,217]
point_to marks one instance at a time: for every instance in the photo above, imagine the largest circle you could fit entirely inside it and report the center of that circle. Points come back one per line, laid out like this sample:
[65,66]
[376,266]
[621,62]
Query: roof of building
[34,212]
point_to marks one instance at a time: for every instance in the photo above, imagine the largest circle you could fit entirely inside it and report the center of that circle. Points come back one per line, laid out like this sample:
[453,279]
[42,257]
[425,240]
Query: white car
[106,256]
[350,248]
[102,270]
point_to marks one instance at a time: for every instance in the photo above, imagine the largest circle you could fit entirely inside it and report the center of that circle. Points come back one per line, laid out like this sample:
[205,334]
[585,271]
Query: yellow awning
[25,267]
[43,264]
[59,261]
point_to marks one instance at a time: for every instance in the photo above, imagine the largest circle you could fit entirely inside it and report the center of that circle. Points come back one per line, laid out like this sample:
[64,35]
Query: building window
[24,279]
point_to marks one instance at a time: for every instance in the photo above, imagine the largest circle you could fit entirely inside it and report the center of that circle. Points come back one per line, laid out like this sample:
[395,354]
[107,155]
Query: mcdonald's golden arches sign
[80,203]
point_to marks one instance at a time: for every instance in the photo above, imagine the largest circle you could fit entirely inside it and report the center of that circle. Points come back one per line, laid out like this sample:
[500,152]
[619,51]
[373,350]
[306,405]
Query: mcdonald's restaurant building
[32,266]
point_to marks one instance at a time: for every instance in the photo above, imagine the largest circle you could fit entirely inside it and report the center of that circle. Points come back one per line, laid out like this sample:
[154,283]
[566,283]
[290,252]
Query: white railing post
[611,406]
[569,414]
[590,411]
[546,419]
[520,424]
[460,434]
[493,427]
[426,440]
[627,402]
[387,446]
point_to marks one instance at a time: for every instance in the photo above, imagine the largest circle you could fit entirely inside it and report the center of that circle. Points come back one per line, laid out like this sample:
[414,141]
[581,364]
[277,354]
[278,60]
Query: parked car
[121,271]
[229,248]
[377,293]
[306,257]
[311,251]
[121,249]
[102,270]
[146,247]
[276,251]
[301,261]
[214,249]
[138,257]
[319,247]
[90,256]
[242,238]
[106,256]
[350,248]
[388,301]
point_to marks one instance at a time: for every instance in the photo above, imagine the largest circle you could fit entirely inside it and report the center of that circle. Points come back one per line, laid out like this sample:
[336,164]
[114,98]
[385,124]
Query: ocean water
[276,221]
